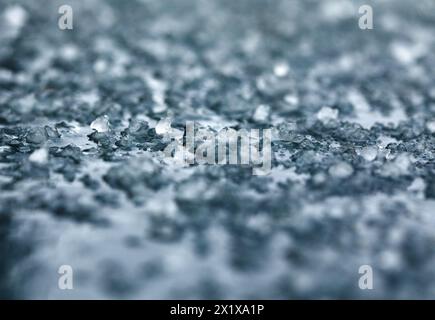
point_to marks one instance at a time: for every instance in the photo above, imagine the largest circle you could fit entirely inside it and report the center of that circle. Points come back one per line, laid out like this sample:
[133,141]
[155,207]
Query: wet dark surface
[84,181]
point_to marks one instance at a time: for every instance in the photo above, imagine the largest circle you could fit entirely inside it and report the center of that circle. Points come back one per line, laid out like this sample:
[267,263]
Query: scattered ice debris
[101,124]
[218,222]
[39,156]
[341,170]
[327,114]
[367,118]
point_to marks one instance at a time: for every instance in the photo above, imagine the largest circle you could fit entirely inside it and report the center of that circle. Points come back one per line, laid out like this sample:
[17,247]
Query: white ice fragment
[281,69]
[261,113]
[39,156]
[15,16]
[366,117]
[259,223]
[291,99]
[397,167]
[100,66]
[335,145]
[402,162]
[163,126]
[369,153]
[319,178]
[69,52]
[390,260]
[430,125]
[101,124]
[6,75]
[337,10]
[418,185]
[90,97]
[162,206]
[341,170]
[326,114]
[158,89]
[407,53]
[384,141]
[358,101]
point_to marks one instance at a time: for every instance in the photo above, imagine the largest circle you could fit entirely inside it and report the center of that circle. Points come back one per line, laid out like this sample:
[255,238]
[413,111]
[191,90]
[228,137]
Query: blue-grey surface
[353,172]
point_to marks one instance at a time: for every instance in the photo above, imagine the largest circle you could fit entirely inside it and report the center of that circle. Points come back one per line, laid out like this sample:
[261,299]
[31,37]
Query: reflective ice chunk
[291,99]
[369,153]
[326,114]
[39,156]
[163,126]
[15,16]
[101,124]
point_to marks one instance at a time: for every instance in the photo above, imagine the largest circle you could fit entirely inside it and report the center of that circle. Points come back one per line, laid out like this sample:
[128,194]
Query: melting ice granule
[326,114]
[39,156]
[101,124]
[341,170]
